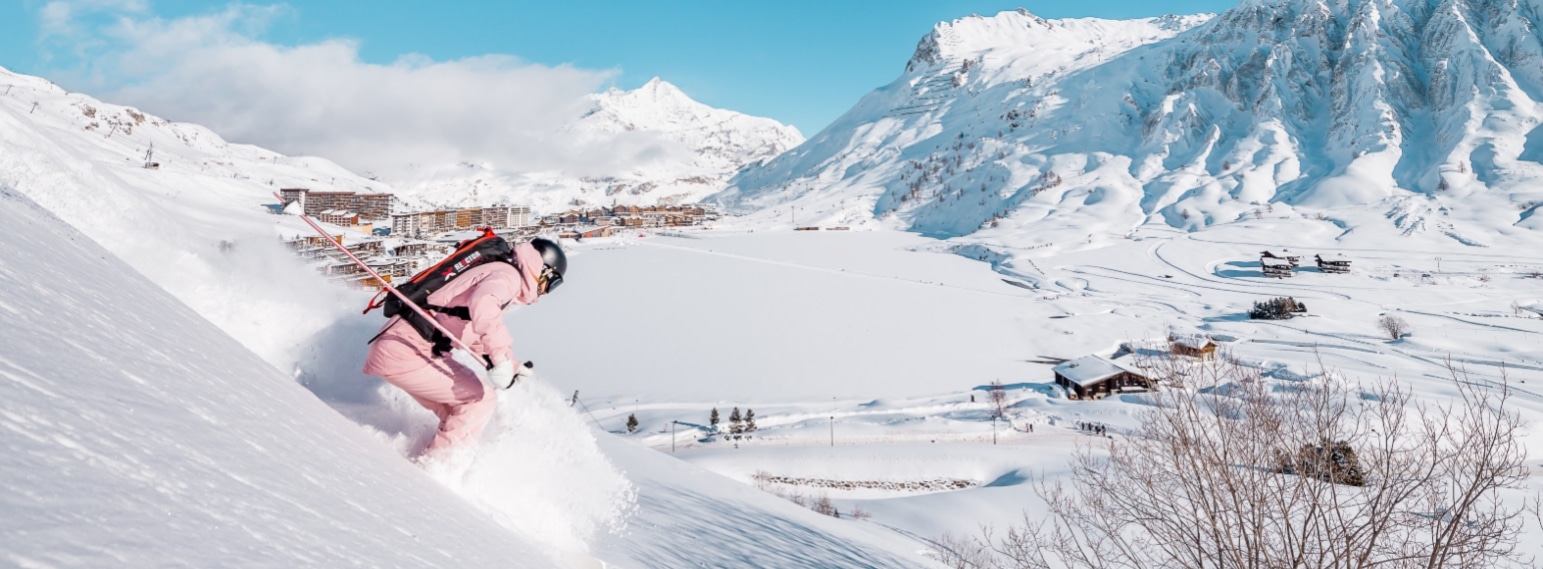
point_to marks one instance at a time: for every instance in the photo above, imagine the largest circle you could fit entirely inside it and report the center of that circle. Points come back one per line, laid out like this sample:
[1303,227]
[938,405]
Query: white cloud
[321,99]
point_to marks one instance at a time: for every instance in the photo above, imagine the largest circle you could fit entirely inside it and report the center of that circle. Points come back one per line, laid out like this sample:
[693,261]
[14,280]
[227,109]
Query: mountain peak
[1194,120]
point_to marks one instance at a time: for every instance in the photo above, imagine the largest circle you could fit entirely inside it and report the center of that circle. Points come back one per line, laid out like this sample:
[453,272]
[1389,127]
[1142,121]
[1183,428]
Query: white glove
[504,374]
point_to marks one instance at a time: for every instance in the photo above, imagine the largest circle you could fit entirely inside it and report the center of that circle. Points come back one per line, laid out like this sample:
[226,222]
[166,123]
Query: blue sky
[802,62]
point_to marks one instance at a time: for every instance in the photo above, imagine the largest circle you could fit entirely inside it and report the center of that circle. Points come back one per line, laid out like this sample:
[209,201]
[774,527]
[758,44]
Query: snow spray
[539,471]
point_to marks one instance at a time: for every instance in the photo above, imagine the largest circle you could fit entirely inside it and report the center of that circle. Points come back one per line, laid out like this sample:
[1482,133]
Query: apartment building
[368,206]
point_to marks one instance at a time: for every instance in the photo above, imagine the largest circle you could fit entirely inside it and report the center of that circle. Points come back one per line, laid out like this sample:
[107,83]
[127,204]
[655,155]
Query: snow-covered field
[878,341]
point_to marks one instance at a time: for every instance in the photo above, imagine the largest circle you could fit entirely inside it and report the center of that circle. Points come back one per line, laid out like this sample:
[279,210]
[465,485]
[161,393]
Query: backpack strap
[462,312]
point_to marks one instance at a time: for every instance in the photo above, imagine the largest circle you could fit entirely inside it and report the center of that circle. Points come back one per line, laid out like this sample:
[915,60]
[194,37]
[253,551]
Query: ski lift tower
[150,163]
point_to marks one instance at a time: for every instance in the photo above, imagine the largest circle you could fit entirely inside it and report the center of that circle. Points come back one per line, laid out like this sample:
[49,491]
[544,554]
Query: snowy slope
[139,435]
[82,159]
[1421,110]
[650,145]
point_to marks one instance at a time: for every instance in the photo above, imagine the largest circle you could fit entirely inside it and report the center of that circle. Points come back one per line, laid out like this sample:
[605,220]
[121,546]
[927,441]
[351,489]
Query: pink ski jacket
[486,291]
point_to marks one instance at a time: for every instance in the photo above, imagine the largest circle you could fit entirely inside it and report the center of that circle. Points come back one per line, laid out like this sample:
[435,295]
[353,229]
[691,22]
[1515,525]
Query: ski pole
[405,301]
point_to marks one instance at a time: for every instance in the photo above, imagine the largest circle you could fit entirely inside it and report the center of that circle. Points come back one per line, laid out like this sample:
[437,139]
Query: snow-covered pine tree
[713,419]
[736,422]
[632,423]
[750,420]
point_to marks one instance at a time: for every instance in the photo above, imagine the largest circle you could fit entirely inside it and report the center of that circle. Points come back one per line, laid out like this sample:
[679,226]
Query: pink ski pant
[455,394]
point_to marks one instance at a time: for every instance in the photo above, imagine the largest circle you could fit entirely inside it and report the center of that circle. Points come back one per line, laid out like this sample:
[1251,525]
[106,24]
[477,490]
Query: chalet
[1332,266]
[1192,345]
[807,228]
[1275,267]
[1095,377]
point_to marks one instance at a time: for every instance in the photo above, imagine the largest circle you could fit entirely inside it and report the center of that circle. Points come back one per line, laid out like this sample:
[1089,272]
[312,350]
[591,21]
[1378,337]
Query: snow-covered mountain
[1423,111]
[650,145]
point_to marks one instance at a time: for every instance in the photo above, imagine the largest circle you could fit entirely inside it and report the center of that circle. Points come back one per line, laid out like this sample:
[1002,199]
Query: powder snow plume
[539,472]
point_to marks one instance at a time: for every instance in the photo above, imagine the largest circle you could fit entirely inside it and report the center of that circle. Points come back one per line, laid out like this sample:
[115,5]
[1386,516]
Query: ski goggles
[549,279]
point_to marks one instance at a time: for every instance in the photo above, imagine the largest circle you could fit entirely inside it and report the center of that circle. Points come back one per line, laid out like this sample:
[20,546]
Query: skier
[404,358]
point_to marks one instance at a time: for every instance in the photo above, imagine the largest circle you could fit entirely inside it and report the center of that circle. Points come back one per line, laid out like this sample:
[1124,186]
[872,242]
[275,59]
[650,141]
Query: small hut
[1192,345]
[1095,377]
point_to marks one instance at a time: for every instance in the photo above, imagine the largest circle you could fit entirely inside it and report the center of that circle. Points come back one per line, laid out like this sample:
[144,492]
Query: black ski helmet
[551,254]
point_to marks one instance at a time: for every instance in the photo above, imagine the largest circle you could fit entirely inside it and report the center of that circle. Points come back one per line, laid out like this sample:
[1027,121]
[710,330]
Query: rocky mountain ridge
[1425,112]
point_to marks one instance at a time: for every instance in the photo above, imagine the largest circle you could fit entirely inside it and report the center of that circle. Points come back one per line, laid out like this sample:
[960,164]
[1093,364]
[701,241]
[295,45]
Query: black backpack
[488,247]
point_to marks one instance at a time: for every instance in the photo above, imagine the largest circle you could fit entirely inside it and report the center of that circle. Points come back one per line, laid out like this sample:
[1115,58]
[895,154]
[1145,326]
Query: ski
[383,283]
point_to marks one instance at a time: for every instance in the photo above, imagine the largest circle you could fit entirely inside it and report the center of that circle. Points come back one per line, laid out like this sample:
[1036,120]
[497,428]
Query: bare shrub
[963,553]
[1183,372]
[858,513]
[1393,326]
[823,505]
[998,395]
[1201,483]
[762,480]
[798,498]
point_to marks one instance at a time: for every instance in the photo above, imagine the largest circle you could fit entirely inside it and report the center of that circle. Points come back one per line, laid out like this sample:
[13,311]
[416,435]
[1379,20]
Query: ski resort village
[1255,287]
[412,241]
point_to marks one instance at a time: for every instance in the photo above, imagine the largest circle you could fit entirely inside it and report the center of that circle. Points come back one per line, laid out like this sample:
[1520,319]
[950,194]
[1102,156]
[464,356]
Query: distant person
[471,306]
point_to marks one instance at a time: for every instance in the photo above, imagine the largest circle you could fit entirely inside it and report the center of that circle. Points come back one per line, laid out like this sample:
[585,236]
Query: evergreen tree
[632,423]
[750,420]
[713,420]
[1276,309]
[736,425]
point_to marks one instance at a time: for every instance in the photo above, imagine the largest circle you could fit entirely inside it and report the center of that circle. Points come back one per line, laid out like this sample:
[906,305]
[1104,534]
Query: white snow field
[877,341]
